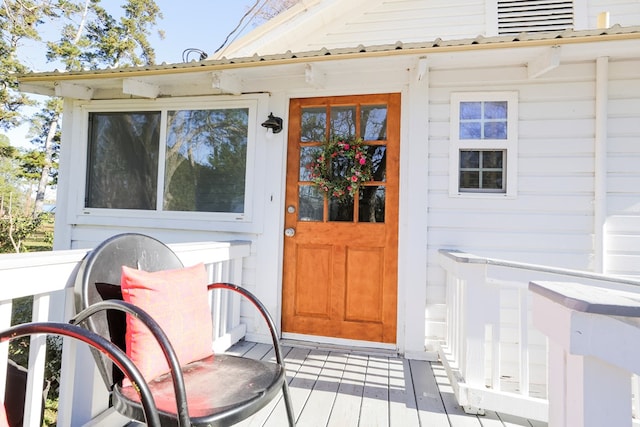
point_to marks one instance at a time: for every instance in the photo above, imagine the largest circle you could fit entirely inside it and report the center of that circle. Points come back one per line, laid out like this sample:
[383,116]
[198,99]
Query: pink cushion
[177,300]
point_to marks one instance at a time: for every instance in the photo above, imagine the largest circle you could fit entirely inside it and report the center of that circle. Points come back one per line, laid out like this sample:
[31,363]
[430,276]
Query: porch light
[274,123]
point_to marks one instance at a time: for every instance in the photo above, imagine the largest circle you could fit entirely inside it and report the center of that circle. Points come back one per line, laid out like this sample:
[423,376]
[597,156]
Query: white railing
[49,276]
[594,343]
[494,356]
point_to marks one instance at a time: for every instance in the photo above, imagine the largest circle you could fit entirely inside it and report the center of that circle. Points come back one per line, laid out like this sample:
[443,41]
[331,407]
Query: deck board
[337,387]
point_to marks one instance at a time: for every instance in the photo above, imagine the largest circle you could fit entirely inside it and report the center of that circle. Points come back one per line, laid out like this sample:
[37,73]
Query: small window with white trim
[483,150]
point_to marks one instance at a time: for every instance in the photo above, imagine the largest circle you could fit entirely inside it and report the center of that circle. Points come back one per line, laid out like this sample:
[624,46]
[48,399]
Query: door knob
[290,232]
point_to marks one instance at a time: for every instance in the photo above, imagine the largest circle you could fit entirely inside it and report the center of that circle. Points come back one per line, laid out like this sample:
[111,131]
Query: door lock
[290,232]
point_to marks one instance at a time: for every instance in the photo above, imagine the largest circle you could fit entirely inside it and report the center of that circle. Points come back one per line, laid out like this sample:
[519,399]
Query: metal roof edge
[522,40]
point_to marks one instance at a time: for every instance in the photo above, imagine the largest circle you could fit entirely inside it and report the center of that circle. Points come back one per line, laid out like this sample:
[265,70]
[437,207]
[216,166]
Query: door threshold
[339,344]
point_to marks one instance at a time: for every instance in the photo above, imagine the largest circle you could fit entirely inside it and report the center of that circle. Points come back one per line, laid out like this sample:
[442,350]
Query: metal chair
[97,343]
[232,387]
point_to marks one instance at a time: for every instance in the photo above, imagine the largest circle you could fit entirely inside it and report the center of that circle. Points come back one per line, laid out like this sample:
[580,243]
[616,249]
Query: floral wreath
[340,168]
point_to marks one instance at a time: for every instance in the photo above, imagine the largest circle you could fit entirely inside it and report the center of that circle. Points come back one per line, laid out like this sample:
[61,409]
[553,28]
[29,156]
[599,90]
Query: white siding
[623,222]
[622,12]
[333,23]
[550,221]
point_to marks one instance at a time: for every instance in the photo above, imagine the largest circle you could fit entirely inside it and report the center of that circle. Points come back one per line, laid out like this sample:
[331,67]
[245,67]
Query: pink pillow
[177,300]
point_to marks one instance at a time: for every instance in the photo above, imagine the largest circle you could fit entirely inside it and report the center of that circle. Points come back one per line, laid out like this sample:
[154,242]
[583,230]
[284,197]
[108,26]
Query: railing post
[592,352]
[480,308]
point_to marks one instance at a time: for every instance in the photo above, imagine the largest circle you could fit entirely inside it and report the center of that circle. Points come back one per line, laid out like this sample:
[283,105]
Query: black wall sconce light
[274,123]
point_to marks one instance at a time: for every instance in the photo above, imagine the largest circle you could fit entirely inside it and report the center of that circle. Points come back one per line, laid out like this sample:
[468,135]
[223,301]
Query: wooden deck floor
[337,387]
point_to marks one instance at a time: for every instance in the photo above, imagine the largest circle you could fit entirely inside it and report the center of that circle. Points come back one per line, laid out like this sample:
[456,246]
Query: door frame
[412,243]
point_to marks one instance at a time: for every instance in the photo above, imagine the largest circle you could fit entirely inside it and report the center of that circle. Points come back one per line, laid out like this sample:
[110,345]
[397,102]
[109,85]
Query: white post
[592,352]
[598,393]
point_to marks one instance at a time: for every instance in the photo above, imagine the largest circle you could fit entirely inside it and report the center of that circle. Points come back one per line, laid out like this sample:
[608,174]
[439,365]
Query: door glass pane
[205,164]
[123,160]
[373,122]
[341,209]
[343,121]
[372,204]
[378,156]
[307,156]
[310,203]
[313,124]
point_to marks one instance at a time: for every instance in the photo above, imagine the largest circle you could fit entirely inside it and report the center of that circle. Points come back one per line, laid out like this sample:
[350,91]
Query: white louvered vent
[517,16]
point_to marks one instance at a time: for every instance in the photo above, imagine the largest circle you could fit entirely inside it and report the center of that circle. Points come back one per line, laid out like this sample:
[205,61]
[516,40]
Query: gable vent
[517,16]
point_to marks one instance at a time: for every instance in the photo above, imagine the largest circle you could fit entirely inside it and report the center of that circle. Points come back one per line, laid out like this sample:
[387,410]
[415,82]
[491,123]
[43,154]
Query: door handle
[290,232]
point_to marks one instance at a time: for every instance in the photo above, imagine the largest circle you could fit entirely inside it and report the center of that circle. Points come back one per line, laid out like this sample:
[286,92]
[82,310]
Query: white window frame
[509,145]
[249,220]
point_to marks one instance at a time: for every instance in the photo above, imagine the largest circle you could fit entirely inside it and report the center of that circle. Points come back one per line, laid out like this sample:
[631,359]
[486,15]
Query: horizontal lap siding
[623,177]
[406,21]
[550,221]
[623,12]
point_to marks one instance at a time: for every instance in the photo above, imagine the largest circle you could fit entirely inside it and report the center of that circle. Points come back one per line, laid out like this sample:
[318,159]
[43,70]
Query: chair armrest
[103,345]
[161,338]
[261,308]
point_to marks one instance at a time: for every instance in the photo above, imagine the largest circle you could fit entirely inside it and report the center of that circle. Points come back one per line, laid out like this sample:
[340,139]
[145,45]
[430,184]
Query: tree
[271,8]
[100,40]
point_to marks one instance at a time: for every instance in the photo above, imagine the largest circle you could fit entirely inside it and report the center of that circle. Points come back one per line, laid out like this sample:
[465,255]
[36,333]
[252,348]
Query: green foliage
[19,348]
[16,228]
[101,40]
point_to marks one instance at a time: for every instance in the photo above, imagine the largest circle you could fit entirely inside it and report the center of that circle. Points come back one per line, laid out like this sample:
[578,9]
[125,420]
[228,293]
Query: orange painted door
[340,256]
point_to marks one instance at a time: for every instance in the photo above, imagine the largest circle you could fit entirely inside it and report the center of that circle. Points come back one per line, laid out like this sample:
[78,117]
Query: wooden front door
[340,255]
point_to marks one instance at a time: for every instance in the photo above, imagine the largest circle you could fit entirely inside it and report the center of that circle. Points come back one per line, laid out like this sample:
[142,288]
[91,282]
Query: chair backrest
[99,276]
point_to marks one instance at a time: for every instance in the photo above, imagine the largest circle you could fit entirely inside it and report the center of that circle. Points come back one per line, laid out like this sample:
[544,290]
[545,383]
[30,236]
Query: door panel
[340,262]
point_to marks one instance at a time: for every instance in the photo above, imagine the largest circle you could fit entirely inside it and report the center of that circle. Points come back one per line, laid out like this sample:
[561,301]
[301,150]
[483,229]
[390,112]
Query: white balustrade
[49,276]
[494,355]
[594,343]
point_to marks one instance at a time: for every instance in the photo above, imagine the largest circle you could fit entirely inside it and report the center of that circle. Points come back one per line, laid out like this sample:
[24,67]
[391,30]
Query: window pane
[341,210]
[492,180]
[123,160]
[307,156]
[343,121]
[469,179]
[492,159]
[495,110]
[495,130]
[310,203]
[373,122]
[470,130]
[372,204]
[469,159]
[205,164]
[378,156]
[482,170]
[313,124]
[470,110]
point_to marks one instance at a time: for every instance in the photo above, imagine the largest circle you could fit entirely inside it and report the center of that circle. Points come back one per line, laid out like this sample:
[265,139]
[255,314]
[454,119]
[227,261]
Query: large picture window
[174,160]
[483,150]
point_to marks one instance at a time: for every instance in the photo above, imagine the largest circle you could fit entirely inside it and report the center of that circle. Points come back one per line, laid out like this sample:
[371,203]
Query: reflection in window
[205,164]
[378,156]
[373,122]
[341,209]
[310,203]
[307,157]
[482,170]
[122,171]
[313,124]
[372,204]
[343,121]
[483,120]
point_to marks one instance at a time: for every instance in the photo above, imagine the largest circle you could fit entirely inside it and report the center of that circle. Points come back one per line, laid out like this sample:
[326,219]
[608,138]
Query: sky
[199,24]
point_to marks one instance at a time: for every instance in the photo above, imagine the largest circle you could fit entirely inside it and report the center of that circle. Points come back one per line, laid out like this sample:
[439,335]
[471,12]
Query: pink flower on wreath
[354,178]
[362,160]
[346,146]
